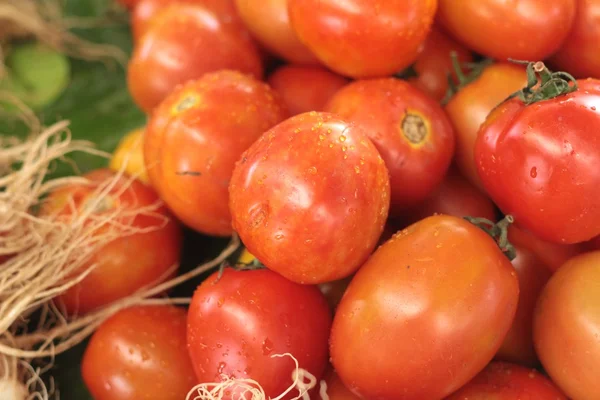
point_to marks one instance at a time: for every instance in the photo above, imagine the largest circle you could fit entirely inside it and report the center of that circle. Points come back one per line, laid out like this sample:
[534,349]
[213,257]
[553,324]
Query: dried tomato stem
[543,84]
[498,231]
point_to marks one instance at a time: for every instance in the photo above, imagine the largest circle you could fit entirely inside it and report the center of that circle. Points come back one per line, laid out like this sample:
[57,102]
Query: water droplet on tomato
[221,367]
[342,138]
[267,347]
[533,172]
[279,236]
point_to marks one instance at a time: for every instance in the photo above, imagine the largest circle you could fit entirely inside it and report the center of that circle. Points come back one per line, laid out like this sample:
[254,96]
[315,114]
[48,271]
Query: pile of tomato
[416,184]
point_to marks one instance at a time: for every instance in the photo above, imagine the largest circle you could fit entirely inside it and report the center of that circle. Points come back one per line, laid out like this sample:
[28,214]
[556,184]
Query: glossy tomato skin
[434,63]
[410,130]
[505,381]
[521,30]
[139,353]
[269,22]
[432,306]
[127,263]
[195,137]
[538,163]
[578,53]
[566,325]
[454,196]
[144,12]
[469,108]
[173,51]
[305,88]
[311,197]
[363,38]
[238,322]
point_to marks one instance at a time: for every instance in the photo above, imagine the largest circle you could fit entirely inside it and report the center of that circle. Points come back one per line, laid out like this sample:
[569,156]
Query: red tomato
[139,353]
[579,53]
[455,196]
[434,64]
[537,163]
[269,22]
[174,50]
[305,88]
[125,264]
[468,109]
[195,137]
[310,198]
[566,326]
[425,313]
[238,322]
[336,390]
[522,30]
[504,381]
[363,38]
[410,130]
[143,14]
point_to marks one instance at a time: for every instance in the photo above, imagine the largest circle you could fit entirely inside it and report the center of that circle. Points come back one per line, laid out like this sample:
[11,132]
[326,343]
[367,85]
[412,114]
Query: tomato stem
[475,69]
[498,231]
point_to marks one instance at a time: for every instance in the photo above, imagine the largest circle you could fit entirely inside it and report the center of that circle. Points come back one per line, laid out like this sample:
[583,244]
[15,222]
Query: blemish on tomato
[415,128]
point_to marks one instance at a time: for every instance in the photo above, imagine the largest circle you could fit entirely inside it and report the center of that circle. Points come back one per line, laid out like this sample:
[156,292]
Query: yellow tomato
[246,257]
[130,151]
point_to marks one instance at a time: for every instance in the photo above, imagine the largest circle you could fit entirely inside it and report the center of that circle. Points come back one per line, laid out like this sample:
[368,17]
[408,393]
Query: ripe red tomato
[305,88]
[579,52]
[454,196]
[468,109]
[139,353]
[434,63]
[310,198]
[504,381]
[537,163]
[174,50]
[566,326]
[238,322]
[195,137]
[125,264]
[410,130]
[425,313]
[363,38]
[522,30]
[269,22]
[336,390]
[144,12]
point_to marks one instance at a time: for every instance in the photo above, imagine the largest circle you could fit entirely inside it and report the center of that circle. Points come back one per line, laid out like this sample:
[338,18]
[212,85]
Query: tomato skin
[537,163]
[566,325]
[129,156]
[505,381]
[431,311]
[222,114]
[336,390]
[270,24]
[363,38]
[139,353]
[236,323]
[184,32]
[314,216]
[434,63]
[416,157]
[127,263]
[469,108]
[305,88]
[529,29]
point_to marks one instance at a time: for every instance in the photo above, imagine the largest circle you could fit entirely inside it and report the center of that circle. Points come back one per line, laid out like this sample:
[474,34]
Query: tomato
[578,53]
[363,38]
[425,313]
[500,29]
[195,137]
[270,24]
[144,12]
[336,390]
[310,198]
[454,196]
[173,51]
[566,326]
[128,262]
[434,64]
[469,108]
[139,353]
[594,244]
[305,88]
[504,381]
[410,130]
[537,163]
[238,322]
[129,156]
